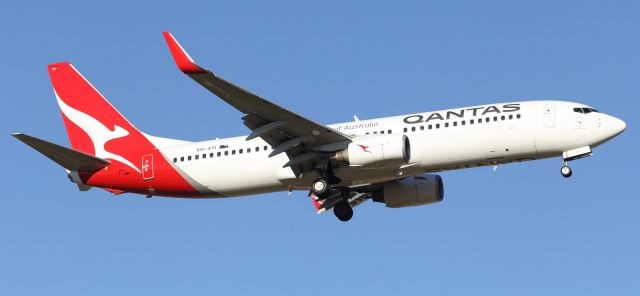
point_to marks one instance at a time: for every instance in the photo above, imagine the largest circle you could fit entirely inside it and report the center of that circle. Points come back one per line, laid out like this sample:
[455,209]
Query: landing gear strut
[565,170]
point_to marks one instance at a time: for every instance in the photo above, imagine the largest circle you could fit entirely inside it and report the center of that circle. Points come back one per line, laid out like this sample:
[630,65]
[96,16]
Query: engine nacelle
[416,191]
[376,150]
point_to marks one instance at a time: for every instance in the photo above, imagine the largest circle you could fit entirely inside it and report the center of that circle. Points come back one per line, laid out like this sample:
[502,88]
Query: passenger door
[548,115]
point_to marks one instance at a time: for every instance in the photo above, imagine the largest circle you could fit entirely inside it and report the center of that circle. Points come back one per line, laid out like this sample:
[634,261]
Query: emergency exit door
[147,167]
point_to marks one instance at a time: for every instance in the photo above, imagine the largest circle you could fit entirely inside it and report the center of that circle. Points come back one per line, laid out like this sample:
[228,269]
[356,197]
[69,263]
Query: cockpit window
[584,110]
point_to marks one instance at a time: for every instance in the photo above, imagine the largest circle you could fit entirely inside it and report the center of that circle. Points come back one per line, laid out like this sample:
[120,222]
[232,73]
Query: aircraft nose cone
[618,126]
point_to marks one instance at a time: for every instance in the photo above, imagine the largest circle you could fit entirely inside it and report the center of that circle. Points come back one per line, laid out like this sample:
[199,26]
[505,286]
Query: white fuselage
[440,140]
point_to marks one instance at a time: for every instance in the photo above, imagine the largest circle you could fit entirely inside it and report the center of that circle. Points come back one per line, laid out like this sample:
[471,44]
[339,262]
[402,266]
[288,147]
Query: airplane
[391,160]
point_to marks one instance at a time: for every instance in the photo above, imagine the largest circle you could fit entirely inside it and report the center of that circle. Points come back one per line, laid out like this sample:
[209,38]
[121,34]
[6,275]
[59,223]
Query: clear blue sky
[523,230]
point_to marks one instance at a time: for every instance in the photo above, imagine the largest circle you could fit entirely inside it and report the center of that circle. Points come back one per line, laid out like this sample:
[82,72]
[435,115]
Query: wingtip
[184,62]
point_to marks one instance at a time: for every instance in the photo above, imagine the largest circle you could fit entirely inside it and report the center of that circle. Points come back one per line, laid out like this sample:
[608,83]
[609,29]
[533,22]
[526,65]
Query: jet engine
[376,150]
[415,191]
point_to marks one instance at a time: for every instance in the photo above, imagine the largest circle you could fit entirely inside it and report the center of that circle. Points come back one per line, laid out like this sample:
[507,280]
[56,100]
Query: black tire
[343,211]
[321,188]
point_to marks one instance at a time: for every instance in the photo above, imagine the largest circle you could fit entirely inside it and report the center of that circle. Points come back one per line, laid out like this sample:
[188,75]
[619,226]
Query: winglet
[184,62]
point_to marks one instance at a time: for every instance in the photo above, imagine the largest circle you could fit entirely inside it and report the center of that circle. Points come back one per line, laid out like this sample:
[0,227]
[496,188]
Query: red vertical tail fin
[96,128]
[93,125]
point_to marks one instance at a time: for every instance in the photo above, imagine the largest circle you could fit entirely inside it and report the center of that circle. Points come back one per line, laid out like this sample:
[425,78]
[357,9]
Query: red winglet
[183,60]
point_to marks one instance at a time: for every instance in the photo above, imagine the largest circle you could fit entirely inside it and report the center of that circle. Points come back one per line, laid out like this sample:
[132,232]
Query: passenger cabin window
[405,129]
[413,129]
[175,159]
[182,158]
[189,157]
[240,151]
[518,116]
[219,153]
[226,153]
[197,156]
[389,131]
[211,155]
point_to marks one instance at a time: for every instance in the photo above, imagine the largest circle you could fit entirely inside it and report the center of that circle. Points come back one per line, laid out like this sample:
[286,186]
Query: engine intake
[416,191]
[376,150]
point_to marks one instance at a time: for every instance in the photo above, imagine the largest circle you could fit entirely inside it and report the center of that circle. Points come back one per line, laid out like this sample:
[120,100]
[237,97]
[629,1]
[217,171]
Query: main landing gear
[323,189]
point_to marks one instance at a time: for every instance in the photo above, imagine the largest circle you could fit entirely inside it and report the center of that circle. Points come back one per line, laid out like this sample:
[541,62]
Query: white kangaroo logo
[97,131]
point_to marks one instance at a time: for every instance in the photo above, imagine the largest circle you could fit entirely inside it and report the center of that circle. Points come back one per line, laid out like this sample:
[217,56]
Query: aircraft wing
[304,140]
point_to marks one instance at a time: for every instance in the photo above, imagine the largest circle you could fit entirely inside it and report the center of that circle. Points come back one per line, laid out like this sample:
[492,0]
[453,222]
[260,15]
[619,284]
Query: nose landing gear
[565,170]
[570,155]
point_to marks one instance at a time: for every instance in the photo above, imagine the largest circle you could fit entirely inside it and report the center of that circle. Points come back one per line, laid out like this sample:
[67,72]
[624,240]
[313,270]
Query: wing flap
[68,158]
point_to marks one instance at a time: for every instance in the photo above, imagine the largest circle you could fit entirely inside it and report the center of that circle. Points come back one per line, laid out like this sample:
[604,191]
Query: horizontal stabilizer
[70,159]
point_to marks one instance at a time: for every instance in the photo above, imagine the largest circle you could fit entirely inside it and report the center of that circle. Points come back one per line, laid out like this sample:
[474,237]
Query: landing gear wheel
[566,171]
[343,211]
[321,188]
